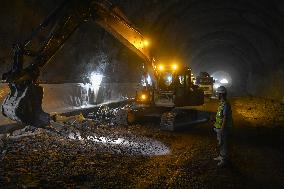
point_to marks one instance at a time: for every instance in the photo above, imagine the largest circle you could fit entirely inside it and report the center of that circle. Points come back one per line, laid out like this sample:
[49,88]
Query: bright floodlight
[96,79]
[146,43]
[149,80]
[170,78]
[143,96]
[174,66]
[216,85]
[161,67]
[146,81]
[224,81]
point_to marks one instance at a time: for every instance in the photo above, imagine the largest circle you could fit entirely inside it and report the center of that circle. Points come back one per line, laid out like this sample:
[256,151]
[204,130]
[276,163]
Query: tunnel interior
[83,123]
[244,39]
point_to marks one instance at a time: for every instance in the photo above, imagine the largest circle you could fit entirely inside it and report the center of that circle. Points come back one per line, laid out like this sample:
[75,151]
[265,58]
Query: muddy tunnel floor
[39,158]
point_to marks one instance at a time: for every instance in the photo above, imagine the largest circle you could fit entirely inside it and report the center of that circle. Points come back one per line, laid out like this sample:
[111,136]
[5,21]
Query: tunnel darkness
[244,38]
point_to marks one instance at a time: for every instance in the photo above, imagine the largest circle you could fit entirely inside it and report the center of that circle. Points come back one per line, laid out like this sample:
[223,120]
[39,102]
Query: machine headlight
[96,79]
[146,43]
[143,97]
[161,67]
[174,67]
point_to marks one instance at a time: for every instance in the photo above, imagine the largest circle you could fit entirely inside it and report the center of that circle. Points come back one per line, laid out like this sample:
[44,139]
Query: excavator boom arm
[66,19]
[116,23]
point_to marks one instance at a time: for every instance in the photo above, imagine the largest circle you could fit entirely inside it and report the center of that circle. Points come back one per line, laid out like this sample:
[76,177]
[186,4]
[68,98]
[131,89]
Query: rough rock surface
[44,158]
[260,111]
[244,39]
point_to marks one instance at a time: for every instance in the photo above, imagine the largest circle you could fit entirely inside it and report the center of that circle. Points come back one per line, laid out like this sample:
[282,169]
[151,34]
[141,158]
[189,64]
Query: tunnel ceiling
[245,27]
[244,38]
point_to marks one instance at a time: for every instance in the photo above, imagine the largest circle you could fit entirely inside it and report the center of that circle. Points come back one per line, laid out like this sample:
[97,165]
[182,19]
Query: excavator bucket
[23,104]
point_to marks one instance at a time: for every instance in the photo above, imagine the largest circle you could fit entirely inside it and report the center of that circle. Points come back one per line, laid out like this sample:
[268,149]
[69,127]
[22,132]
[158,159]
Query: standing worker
[223,122]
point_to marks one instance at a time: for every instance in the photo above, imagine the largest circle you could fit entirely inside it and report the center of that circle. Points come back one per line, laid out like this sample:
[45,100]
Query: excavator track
[168,121]
[178,118]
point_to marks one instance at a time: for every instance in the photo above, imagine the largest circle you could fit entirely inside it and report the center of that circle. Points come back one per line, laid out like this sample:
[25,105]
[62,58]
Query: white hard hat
[221,90]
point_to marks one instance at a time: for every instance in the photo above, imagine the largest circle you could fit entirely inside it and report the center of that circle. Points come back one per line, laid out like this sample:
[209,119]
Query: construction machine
[172,98]
[174,87]
[24,103]
[205,82]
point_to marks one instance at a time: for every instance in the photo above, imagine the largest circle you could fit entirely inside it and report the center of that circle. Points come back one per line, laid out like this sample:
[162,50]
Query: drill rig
[24,102]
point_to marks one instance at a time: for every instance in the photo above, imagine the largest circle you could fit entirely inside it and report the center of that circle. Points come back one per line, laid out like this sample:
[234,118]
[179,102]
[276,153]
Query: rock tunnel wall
[243,38]
[67,97]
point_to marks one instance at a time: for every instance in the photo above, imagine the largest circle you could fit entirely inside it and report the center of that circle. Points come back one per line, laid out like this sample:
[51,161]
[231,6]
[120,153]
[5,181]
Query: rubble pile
[111,116]
[71,146]
[260,111]
[83,151]
[94,136]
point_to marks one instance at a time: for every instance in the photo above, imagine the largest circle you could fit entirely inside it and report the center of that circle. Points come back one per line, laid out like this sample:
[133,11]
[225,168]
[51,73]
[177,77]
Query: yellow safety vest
[220,116]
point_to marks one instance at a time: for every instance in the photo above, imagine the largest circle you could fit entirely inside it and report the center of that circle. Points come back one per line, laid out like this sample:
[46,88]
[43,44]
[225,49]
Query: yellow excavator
[24,103]
[173,100]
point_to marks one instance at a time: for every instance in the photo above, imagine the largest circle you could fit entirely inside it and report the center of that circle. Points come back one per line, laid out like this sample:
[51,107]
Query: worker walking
[222,125]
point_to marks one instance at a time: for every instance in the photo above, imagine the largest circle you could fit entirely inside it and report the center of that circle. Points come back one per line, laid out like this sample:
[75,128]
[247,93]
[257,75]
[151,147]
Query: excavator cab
[186,93]
[175,85]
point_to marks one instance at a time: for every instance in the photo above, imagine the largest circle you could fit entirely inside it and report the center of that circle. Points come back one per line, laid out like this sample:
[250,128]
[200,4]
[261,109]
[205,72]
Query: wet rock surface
[65,155]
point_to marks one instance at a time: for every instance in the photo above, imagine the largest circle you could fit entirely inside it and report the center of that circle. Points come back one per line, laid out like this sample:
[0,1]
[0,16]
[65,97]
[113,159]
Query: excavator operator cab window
[167,76]
[166,81]
[184,78]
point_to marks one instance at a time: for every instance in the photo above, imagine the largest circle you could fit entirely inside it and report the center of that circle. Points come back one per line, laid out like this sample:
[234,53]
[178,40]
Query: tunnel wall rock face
[73,96]
[65,97]
[244,38]
[269,85]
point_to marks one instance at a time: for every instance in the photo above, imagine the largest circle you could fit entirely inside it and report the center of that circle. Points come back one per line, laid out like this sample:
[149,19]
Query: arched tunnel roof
[245,36]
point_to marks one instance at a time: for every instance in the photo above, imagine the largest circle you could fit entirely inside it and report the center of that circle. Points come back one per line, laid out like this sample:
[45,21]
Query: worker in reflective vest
[223,122]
